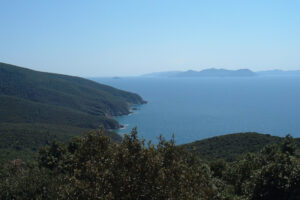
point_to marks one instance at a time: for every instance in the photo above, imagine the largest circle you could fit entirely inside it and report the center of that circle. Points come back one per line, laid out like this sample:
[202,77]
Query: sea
[196,108]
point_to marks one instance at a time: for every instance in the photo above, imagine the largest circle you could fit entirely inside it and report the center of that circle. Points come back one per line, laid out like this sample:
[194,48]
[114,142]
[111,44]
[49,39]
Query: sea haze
[197,108]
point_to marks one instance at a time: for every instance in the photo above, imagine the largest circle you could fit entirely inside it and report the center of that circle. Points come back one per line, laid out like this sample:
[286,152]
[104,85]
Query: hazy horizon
[129,38]
[153,72]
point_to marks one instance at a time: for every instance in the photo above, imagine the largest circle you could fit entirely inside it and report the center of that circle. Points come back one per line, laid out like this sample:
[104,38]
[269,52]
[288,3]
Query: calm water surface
[194,108]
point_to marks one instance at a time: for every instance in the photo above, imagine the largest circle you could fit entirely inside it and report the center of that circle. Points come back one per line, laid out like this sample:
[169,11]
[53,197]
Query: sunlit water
[197,108]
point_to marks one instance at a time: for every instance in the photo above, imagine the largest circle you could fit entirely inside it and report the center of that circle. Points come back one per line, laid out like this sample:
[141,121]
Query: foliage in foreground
[92,167]
[271,174]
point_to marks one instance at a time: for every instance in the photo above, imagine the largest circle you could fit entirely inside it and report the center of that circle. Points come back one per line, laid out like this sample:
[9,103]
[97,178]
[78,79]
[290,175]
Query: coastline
[134,108]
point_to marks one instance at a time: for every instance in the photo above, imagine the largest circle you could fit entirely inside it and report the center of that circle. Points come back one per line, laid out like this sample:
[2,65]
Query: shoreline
[132,110]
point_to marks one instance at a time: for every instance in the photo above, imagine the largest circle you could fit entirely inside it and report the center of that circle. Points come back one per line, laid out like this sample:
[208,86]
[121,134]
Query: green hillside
[36,107]
[231,146]
[65,91]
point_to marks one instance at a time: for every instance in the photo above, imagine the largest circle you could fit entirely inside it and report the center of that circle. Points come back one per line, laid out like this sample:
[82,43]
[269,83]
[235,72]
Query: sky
[127,38]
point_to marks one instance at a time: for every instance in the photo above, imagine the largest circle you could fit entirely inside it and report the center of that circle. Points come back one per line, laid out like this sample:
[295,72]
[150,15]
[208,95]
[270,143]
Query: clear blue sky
[115,38]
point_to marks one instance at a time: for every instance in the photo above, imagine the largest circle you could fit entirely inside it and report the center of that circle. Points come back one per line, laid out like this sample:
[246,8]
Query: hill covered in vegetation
[36,106]
[93,167]
[231,146]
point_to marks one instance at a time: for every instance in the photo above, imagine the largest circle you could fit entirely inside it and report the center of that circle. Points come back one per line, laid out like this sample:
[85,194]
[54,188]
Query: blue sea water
[197,108]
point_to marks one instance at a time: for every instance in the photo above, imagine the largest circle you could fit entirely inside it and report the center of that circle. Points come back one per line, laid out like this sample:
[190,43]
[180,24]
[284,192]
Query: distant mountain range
[222,73]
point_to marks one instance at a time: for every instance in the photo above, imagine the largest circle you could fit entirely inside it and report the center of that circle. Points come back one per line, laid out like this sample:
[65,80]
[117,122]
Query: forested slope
[231,146]
[36,105]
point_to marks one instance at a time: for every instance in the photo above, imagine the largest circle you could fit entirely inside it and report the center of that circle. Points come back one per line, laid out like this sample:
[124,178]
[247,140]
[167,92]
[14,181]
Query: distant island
[205,73]
[213,72]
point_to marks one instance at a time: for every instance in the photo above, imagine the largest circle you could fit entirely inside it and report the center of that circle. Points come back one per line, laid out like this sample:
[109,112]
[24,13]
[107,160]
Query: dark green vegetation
[36,107]
[231,146]
[92,167]
[24,140]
